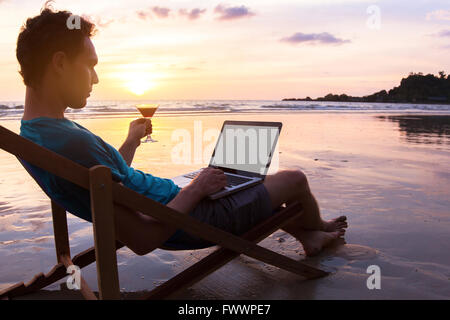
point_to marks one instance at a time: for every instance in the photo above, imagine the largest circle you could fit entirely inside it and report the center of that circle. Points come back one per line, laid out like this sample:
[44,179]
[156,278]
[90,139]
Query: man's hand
[139,128]
[209,180]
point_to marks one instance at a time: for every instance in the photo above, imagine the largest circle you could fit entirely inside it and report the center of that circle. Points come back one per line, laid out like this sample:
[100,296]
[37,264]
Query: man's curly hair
[43,35]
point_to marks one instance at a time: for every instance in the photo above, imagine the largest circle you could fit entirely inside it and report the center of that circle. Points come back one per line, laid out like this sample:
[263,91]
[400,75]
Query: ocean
[119,108]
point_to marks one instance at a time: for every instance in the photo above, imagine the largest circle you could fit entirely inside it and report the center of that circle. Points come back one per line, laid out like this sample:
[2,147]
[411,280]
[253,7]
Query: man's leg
[140,233]
[313,232]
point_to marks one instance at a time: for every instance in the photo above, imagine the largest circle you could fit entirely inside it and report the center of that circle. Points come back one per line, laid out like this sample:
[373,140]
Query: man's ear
[59,62]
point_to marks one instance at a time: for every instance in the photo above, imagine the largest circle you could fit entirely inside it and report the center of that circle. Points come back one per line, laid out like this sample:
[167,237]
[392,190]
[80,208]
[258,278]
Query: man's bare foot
[314,241]
[335,224]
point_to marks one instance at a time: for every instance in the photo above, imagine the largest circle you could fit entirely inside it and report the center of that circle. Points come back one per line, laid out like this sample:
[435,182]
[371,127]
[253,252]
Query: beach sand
[389,174]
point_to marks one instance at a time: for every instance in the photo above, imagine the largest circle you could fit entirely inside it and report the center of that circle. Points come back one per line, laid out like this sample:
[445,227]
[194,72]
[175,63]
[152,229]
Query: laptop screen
[245,147]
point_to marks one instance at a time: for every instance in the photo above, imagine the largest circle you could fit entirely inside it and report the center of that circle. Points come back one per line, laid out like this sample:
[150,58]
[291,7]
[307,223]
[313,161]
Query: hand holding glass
[147,111]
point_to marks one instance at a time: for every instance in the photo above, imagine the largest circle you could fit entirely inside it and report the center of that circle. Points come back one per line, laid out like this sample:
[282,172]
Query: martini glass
[147,111]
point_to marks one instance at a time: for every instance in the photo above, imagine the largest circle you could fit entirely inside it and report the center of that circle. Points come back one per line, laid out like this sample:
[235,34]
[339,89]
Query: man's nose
[95,78]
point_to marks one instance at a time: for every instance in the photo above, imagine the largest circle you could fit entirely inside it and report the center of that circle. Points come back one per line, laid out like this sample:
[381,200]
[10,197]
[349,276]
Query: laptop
[244,151]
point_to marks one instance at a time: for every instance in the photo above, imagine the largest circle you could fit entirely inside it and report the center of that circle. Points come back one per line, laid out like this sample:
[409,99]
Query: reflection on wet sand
[427,129]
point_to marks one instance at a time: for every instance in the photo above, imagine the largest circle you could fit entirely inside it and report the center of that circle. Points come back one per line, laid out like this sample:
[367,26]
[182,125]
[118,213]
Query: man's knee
[286,185]
[297,179]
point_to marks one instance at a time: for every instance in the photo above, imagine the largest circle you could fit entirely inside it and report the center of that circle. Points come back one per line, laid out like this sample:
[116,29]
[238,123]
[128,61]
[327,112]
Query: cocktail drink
[147,111]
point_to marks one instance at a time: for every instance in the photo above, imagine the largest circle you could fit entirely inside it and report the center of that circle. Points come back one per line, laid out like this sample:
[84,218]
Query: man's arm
[138,129]
[208,181]
[128,149]
[186,199]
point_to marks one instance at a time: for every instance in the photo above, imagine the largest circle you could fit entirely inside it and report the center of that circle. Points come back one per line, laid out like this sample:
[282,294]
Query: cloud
[193,14]
[143,15]
[231,13]
[441,34]
[314,38]
[439,15]
[161,12]
[444,33]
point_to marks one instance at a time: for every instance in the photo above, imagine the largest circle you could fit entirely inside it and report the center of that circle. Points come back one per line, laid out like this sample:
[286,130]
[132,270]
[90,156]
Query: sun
[138,83]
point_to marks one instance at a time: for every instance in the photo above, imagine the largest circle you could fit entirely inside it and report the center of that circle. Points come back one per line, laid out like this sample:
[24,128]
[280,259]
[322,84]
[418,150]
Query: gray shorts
[236,213]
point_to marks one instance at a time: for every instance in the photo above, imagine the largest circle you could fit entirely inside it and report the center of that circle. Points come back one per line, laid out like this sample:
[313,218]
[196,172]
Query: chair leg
[102,209]
[62,246]
[60,232]
[222,256]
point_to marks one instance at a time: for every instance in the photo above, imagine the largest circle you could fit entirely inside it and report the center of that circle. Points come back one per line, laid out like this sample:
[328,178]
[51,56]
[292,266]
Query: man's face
[76,83]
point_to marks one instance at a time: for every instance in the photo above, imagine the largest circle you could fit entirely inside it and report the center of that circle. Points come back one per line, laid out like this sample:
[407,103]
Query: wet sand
[388,173]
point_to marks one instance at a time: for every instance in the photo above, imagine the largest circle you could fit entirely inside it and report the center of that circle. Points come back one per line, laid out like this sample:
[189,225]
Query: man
[58,68]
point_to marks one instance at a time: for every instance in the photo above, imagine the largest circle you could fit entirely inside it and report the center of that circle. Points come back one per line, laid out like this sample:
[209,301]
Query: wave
[290,106]
[13,109]
[198,108]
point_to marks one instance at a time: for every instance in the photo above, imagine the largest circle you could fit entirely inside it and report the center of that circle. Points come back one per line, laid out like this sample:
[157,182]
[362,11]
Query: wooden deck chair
[104,195]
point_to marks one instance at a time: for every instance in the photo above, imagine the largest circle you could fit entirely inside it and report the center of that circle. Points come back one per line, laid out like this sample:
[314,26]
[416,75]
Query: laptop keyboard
[192,175]
[231,180]
[234,181]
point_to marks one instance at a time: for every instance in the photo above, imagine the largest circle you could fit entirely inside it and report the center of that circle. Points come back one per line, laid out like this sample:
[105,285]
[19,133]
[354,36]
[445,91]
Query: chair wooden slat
[44,158]
[58,272]
[104,232]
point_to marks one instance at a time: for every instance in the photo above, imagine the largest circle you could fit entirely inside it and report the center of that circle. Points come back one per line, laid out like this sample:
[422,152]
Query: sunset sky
[256,49]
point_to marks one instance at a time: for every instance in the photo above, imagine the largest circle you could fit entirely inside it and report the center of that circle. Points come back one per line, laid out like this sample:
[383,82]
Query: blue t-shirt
[78,144]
